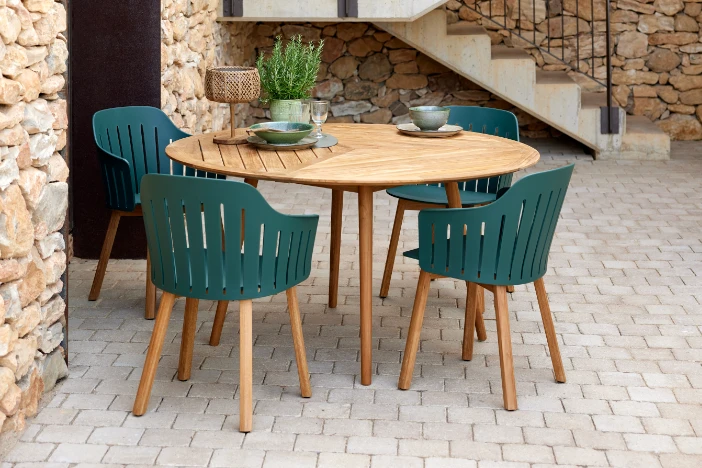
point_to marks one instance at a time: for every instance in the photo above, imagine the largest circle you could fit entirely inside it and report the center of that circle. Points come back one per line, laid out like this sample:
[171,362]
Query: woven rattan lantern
[232,85]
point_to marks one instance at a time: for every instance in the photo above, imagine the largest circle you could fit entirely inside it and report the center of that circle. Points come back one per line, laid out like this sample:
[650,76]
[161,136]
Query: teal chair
[473,192]
[494,246]
[220,241]
[131,142]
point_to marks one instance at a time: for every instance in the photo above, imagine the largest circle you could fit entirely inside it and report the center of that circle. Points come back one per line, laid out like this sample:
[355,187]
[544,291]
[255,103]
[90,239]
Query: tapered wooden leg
[392,249]
[471,313]
[415,329]
[480,300]
[337,212]
[298,343]
[504,340]
[453,195]
[220,315]
[104,256]
[510,289]
[150,309]
[550,330]
[480,325]
[245,366]
[187,343]
[154,354]
[365,219]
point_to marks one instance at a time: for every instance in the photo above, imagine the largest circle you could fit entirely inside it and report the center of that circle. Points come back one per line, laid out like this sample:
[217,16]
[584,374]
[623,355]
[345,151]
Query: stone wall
[191,42]
[370,76]
[656,56]
[33,202]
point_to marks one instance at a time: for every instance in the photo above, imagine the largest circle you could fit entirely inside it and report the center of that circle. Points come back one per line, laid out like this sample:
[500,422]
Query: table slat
[231,157]
[250,158]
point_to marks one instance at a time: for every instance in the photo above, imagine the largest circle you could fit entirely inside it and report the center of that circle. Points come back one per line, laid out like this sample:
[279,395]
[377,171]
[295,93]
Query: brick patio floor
[625,278]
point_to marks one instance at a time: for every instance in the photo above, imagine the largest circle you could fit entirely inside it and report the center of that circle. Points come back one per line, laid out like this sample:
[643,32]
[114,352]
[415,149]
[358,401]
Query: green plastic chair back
[489,121]
[506,242]
[476,119]
[194,230]
[132,142]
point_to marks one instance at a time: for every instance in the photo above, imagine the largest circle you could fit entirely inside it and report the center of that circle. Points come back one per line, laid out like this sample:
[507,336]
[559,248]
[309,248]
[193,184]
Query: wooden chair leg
[470,321]
[150,310]
[298,342]
[154,354]
[337,213]
[187,343]
[104,256]
[480,326]
[220,315]
[550,330]
[415,329]
[481,300]
[510,289]
[392,249]
[504,339]
[245,366]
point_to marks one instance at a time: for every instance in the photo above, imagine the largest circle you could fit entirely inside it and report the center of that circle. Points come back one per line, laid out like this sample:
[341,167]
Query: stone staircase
[511,74]
[328,10]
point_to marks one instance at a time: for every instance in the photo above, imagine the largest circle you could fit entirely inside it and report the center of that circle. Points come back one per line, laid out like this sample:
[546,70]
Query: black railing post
[347,8]
[609,116]
[233,8]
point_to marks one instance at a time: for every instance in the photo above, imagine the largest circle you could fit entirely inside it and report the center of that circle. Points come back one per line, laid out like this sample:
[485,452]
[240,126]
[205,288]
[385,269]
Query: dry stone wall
[33,202]
[190,42]
[656,49]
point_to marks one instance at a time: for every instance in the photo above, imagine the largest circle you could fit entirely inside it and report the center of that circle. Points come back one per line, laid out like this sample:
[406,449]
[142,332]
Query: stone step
[464,29]
[502,52]
[557,95]
[643,140]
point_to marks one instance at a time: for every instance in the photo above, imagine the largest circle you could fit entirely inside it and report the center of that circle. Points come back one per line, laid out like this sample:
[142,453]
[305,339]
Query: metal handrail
[610,113]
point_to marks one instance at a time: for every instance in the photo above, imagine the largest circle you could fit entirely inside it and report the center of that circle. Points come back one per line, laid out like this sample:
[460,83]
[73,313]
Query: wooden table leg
[365,221]
[337,212]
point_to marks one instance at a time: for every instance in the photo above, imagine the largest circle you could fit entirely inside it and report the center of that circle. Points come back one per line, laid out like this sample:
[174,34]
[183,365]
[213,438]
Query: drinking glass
[319,111]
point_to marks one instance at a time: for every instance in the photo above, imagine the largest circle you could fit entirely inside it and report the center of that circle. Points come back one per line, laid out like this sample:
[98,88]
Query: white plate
[443,132]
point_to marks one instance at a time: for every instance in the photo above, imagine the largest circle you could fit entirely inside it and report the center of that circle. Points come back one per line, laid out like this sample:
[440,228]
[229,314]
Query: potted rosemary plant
[287,77]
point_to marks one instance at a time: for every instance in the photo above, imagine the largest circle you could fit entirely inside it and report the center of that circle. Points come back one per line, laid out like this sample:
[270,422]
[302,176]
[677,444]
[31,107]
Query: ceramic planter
[293,110]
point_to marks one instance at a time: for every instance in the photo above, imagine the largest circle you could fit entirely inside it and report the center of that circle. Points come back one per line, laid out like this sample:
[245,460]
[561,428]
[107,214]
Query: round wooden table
[368,158]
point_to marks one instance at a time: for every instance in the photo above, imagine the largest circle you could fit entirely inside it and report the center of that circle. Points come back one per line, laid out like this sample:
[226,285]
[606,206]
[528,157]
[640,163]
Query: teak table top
[367,155]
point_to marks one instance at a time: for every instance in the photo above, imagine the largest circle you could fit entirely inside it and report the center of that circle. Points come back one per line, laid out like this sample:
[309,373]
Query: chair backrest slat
[505,242]
[194,226]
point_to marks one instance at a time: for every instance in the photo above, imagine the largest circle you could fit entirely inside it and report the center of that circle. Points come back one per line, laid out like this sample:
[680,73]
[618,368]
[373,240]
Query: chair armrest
[286,254]
[117,177]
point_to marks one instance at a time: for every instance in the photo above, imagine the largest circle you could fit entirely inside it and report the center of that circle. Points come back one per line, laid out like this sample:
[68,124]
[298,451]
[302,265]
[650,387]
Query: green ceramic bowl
[429,117]
[282,132]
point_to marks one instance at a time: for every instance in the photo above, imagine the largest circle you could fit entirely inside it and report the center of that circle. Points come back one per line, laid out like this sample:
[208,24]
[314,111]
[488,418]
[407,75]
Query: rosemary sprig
[291,71]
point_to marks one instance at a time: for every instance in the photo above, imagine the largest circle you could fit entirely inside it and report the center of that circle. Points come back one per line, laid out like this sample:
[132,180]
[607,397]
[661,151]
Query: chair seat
[437,195]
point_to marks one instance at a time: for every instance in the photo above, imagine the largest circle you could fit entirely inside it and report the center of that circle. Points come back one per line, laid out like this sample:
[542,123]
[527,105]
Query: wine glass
[319,111]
